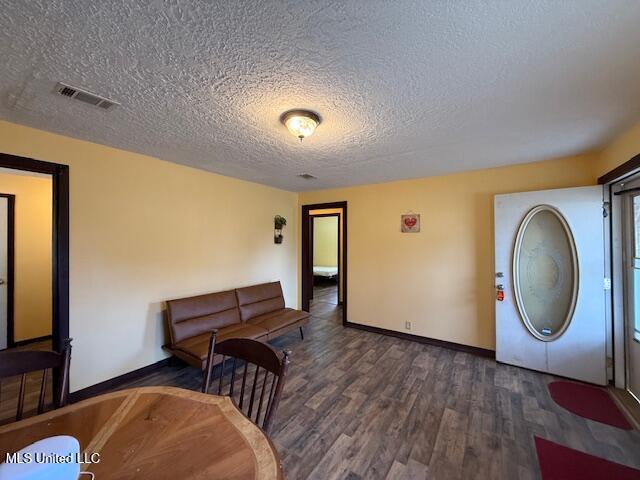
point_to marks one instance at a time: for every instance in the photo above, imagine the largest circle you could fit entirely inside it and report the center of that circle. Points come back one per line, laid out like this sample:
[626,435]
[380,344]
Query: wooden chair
[20,363]
[260,355]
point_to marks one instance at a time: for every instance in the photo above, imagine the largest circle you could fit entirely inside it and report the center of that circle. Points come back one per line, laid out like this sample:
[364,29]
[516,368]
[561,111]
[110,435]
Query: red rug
[562,463]
[588,402]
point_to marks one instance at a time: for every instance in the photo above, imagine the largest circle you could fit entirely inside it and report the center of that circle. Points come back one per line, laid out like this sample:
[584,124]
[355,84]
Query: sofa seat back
[189,317]
[259,299]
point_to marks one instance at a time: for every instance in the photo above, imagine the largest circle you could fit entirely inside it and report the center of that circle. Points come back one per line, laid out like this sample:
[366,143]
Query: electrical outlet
[407,325]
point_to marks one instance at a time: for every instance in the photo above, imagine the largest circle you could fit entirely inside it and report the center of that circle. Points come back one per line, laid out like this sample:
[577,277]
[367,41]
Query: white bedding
[320,271]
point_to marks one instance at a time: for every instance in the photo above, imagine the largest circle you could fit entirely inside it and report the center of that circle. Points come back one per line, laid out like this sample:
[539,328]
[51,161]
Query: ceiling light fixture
[301,123]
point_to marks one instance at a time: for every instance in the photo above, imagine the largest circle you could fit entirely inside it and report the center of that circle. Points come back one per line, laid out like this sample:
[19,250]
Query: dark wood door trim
[11,205]
[621,171]
[307,253]
[60,241]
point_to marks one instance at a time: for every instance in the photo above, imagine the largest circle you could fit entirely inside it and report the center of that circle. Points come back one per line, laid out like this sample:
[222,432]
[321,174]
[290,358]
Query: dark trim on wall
[307,254]
[629,167]
[60,241]
[11,215]
[28,341]
[482,352]
[116,382]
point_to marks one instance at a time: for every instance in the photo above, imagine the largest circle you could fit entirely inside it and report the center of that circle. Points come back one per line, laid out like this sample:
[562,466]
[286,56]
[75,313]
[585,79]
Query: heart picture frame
[410,223]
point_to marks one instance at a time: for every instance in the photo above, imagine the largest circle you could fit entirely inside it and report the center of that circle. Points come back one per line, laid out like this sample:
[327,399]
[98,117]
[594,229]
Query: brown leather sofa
[256,312]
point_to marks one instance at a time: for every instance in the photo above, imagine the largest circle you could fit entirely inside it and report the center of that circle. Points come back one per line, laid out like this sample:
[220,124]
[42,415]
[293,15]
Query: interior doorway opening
[324,259]
[56,276]
[26,262]
[7,238]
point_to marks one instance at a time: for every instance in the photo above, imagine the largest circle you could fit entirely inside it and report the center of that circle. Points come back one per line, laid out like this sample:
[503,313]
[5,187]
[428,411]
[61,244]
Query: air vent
[84,96]
[307,176]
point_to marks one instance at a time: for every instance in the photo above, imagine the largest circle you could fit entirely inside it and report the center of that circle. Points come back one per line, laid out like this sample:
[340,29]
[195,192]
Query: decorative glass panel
[545,272]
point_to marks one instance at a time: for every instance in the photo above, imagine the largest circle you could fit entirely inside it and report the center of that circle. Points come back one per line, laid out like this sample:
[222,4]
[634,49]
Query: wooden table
[154,433]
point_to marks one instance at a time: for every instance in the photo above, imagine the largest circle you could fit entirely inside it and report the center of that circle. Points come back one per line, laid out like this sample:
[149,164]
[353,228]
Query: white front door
[549,266]
[4,266]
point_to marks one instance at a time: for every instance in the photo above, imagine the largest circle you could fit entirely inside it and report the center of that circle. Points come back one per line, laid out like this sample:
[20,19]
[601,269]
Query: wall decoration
[410,223]
[278,224]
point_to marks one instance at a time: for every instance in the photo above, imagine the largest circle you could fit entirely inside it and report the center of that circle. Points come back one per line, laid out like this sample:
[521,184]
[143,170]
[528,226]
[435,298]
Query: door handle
[1,281]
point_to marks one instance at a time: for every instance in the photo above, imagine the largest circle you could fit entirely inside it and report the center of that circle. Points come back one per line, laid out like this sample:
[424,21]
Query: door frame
[615,263]
[11,205]
[311,247]
[307,253]
[60,239]
[628,282]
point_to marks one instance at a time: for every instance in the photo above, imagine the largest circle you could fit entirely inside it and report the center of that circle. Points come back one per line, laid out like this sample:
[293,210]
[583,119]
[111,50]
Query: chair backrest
[20,363]
[262,389]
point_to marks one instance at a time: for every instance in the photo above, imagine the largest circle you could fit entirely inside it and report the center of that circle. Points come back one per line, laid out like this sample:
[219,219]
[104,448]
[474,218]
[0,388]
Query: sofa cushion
[259,299]
[198,346]
[189,317]
[279,319]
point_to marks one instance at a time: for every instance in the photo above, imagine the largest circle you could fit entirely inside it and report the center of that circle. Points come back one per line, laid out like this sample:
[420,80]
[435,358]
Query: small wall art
[278,224]
[410,223]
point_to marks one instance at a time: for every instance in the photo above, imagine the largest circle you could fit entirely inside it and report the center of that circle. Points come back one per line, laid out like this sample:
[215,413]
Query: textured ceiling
[405,88]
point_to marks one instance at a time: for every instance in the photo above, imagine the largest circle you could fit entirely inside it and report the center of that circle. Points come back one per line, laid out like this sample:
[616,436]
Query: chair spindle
[43,390]
[244,381]
[23,381]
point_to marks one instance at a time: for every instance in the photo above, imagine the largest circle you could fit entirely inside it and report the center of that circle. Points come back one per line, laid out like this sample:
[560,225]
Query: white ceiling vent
[84,96]
[307,176]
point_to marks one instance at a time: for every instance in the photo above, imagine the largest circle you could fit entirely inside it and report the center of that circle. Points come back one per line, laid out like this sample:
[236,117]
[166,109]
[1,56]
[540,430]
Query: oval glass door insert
[545,272]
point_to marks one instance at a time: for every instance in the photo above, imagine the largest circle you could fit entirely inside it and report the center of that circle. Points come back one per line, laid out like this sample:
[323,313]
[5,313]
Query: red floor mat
[588,402]
[562,463]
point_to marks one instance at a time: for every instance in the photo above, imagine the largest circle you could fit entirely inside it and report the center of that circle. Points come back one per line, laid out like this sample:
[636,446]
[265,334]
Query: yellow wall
[624,147]
[144,231]
[440,279]
[32,257]
[325,241]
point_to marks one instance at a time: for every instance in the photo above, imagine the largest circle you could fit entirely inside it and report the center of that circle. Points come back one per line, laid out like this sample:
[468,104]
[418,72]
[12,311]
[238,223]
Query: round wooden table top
[156,432]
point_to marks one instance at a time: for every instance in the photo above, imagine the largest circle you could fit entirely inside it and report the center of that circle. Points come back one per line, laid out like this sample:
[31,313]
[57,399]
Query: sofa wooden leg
[301,334]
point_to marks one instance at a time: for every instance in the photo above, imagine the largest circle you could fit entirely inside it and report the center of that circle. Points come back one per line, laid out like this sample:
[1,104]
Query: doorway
[324,259]
[59,175]
[7,207]
[627,200]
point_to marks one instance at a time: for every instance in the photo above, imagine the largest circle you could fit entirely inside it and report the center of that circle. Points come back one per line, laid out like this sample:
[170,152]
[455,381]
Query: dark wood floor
[359,405]
[325,292]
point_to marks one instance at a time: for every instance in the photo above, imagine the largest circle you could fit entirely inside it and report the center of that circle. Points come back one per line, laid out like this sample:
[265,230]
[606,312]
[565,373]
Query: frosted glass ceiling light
[301,123]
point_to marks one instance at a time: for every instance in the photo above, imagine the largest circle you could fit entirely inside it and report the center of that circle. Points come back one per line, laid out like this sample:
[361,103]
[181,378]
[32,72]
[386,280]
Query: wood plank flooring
[359,405]
[325,292]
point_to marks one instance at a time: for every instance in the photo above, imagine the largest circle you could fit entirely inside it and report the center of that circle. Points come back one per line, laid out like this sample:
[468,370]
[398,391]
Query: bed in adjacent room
[324,271]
